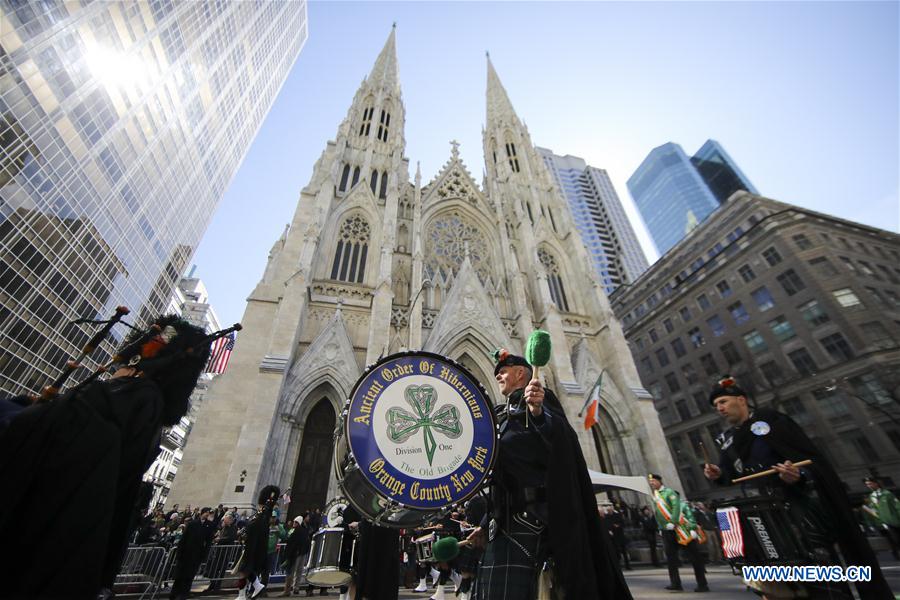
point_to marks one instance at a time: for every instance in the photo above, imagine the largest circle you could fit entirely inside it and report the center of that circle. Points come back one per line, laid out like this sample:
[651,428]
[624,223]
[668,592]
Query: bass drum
[417,436]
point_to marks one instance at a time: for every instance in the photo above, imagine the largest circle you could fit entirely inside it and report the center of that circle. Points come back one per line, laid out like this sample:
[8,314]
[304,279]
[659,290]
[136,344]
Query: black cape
[377,559]
[585,562]
[256,543]
[789,440]
[74,469]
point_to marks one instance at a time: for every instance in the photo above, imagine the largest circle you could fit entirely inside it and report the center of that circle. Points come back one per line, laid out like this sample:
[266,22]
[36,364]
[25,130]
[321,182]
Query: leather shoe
[703,588]
[674,588]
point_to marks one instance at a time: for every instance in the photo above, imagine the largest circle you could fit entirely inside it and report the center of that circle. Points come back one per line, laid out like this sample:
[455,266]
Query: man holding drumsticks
[762,439]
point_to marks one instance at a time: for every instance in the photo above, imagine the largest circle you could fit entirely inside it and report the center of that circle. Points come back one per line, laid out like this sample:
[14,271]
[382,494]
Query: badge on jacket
[760,428]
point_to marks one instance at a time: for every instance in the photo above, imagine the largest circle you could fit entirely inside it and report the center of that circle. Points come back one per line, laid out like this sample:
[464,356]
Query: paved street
[648,584]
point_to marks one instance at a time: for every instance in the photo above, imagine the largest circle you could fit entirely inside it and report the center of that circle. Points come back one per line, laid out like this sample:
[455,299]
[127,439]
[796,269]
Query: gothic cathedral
[375,263]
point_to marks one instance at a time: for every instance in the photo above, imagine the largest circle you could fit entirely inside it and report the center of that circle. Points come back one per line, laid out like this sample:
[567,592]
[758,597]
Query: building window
[724,288]
[729,351]
[846,298]
[755,342]
[352,248]
[703,302]
[382,194]
[831,403]
[803,362]
[554,279]
[678,347]
[823,266]
[802,241]
[893,297]
[869,388]
[373,182]
[383,125]
[739,313]
[763,298]
[716,325]
[864,448]
[653,337]
[813,313]
[781,329]
[746,273]
[868,271]
[683,411]
[667,323]
[709,364]
[791,282]
[690,373]
[696,337]
[355,176]
[702,401]
[511,155]
[672,382]
[639,342]
[771,256]
[655,390]
[793,407]
[837,347]
[366,121]
[344,176]
[685,313]
[661,357]
[647,365]
[772,372]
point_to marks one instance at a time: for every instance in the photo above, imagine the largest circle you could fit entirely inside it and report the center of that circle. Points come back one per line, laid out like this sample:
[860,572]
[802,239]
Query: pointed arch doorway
[311,475]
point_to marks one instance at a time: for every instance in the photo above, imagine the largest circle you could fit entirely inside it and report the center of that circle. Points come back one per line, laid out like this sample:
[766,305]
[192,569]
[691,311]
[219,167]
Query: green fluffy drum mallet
[537,353]
[445,549]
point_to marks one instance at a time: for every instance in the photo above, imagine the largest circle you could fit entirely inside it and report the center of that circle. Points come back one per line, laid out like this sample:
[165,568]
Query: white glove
[694,535]
[670,526]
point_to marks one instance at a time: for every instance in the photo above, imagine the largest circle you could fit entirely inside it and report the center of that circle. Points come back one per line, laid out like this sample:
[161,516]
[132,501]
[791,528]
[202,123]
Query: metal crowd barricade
[141,571]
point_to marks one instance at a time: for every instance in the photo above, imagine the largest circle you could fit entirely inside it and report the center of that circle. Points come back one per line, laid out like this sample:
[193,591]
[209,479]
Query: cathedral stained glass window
[554,279]
[352,247]
[448,240]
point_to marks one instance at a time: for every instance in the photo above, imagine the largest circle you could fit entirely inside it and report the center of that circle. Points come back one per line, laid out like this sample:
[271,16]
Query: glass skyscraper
[598,214]
[122,125]
[674,192]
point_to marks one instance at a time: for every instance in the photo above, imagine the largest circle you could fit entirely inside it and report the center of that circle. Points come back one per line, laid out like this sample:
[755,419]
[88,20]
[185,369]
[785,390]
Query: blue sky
[805,97]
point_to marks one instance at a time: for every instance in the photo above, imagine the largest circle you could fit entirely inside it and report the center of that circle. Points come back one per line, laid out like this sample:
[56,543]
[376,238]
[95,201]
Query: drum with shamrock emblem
[417,436]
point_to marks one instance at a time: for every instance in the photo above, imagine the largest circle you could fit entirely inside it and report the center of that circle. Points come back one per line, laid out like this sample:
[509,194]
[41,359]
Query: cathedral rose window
[448,239]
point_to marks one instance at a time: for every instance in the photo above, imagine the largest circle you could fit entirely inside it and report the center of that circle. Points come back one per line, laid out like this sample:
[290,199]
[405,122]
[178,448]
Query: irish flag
[591,408]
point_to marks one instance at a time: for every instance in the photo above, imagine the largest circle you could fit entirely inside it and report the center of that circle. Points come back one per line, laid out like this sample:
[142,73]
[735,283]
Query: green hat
[445,549]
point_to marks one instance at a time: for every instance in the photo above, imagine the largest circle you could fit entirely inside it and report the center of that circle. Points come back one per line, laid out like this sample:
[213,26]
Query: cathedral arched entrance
[311,475]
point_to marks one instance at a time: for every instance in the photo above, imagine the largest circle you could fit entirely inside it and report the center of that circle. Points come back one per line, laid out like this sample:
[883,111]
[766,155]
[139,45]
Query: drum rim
[493,418]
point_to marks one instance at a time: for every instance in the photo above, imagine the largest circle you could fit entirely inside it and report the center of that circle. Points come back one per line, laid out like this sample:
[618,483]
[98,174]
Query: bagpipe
[126,354]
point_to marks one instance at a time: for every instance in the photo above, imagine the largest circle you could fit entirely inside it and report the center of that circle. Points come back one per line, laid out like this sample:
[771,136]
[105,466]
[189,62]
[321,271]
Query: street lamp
[425,283]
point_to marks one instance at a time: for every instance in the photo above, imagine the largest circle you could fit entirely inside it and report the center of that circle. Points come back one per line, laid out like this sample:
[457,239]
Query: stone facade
[376,262]
[802,308]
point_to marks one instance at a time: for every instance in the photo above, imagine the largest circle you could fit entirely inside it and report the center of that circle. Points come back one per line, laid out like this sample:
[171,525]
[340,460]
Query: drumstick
[802,463]
[705,454]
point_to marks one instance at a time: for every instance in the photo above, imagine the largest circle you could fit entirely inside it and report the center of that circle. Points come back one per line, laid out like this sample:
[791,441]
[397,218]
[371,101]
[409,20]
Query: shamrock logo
[402,424]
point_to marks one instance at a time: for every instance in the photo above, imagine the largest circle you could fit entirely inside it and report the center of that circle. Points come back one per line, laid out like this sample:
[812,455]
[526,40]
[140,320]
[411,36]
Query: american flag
[220,353]
[732,535]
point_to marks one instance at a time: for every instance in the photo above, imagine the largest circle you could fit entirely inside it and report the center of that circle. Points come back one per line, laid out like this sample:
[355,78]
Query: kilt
[506,572]
[467,561]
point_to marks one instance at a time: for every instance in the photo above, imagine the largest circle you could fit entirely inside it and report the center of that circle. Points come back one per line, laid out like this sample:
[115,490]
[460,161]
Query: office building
[123,123]
[599,217]
[674,192]
[802,308]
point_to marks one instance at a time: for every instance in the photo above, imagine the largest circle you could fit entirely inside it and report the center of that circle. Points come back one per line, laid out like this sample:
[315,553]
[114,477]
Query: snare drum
[418,435]
[424,544]
[331,557]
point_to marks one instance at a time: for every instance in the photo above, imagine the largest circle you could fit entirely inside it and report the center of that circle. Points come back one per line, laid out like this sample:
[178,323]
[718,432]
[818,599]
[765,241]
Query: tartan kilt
[506,572]
[467,561]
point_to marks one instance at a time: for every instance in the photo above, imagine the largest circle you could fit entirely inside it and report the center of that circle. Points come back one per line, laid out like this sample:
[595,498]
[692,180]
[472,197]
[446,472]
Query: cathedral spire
[385,73]
[499,108]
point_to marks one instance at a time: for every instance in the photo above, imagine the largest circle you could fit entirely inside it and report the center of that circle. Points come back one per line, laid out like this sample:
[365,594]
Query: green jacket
[688,522]
[276,534]
[667,505]
[886,504]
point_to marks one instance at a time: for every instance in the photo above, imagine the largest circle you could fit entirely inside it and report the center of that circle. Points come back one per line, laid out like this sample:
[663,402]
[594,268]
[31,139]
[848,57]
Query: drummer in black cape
[762,438]
[73,465]
[543,508]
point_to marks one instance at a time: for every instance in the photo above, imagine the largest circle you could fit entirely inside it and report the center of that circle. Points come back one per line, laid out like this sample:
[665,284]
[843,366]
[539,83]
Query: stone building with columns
[377,261]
